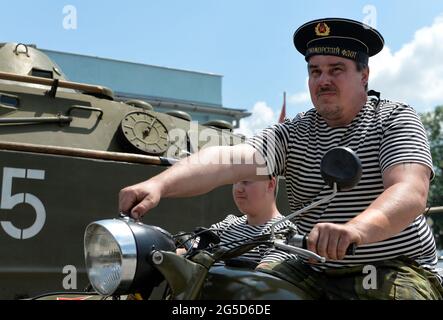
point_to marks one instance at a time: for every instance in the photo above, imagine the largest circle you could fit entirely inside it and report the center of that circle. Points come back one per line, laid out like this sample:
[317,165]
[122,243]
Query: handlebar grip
[350,251]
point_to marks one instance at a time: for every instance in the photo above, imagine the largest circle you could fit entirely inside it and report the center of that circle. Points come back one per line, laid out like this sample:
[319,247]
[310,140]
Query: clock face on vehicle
[145,132]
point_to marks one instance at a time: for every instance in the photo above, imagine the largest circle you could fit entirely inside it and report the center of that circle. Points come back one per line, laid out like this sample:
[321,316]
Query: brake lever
[245,247]
[298,250]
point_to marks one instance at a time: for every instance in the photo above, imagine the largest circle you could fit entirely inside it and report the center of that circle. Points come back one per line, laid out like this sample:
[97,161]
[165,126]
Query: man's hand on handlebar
[331,240]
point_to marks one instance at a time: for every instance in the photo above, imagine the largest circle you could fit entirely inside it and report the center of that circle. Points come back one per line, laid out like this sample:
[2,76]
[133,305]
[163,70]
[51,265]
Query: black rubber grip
[350,251]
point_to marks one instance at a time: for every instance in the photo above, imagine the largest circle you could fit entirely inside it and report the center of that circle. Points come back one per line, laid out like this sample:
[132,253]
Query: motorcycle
[129,259]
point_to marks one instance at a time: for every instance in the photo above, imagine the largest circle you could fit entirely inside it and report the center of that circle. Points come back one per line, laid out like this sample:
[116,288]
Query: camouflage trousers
[396,279]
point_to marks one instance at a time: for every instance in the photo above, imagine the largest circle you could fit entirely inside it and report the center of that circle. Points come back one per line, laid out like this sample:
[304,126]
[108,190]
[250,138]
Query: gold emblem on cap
[322,29]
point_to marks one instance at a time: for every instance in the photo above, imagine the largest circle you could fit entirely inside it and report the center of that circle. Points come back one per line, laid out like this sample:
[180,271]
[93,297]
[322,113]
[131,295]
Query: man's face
[337,89]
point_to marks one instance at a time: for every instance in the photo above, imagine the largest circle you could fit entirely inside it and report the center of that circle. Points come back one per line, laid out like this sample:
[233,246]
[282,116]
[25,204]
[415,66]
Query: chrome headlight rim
[122,235]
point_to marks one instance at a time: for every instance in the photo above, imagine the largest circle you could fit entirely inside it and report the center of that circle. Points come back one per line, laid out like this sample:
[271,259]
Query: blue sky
[249,42]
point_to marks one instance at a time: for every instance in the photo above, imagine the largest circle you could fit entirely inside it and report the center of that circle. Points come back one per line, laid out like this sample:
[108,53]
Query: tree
[433,123]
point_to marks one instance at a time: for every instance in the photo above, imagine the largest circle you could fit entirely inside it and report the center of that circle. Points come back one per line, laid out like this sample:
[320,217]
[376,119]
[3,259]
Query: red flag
[283,110]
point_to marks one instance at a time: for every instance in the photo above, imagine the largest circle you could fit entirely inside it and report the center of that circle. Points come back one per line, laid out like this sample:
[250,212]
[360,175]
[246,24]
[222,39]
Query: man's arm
[404,199]
[195,175]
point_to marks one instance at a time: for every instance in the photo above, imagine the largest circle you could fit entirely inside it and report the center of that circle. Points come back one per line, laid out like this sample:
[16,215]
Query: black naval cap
[340,37]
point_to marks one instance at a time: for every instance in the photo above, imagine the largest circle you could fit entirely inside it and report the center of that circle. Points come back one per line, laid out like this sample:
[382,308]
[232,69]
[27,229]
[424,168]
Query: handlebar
[293,243]
[298,244]
[302,242]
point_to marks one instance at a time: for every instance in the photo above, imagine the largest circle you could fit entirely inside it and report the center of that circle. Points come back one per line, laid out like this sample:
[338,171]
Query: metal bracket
[26,48]
[51,93]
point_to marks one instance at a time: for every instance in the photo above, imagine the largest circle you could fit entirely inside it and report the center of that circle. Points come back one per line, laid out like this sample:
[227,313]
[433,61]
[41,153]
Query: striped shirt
[382,135]
[234,230]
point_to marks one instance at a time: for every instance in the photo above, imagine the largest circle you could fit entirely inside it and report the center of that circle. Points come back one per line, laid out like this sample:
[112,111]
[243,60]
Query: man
[382,215]
[256,201]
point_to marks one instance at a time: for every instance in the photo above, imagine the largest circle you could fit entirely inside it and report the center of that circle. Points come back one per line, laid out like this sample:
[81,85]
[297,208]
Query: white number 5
[9,201]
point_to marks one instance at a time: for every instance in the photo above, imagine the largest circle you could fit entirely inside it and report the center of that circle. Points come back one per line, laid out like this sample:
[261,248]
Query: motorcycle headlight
[116,255]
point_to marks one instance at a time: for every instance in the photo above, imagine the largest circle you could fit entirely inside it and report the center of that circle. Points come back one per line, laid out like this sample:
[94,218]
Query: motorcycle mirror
[342,166]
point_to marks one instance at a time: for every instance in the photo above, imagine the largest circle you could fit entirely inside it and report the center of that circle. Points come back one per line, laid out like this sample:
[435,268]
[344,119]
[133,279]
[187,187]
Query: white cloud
[299,102]
[300,98]
[413,74]
[262,117]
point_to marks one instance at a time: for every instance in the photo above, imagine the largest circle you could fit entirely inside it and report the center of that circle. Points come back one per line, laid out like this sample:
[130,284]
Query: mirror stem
[302,210]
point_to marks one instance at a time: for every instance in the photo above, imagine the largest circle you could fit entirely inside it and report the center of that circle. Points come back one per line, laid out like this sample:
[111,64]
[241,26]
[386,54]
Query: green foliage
[433,123]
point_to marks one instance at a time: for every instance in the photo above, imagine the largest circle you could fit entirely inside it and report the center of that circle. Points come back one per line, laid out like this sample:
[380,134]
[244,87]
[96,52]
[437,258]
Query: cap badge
[322,29]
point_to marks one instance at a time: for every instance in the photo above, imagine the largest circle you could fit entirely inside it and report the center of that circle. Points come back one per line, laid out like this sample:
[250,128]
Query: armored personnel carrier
[66,149]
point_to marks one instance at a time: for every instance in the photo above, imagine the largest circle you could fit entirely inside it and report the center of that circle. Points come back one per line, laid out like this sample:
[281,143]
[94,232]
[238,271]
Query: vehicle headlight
[116,252]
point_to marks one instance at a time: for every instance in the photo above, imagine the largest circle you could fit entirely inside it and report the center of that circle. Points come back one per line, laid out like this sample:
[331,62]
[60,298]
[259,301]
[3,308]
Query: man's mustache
[326,90]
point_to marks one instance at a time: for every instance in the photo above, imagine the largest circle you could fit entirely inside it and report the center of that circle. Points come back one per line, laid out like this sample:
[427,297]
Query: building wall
[142,79]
